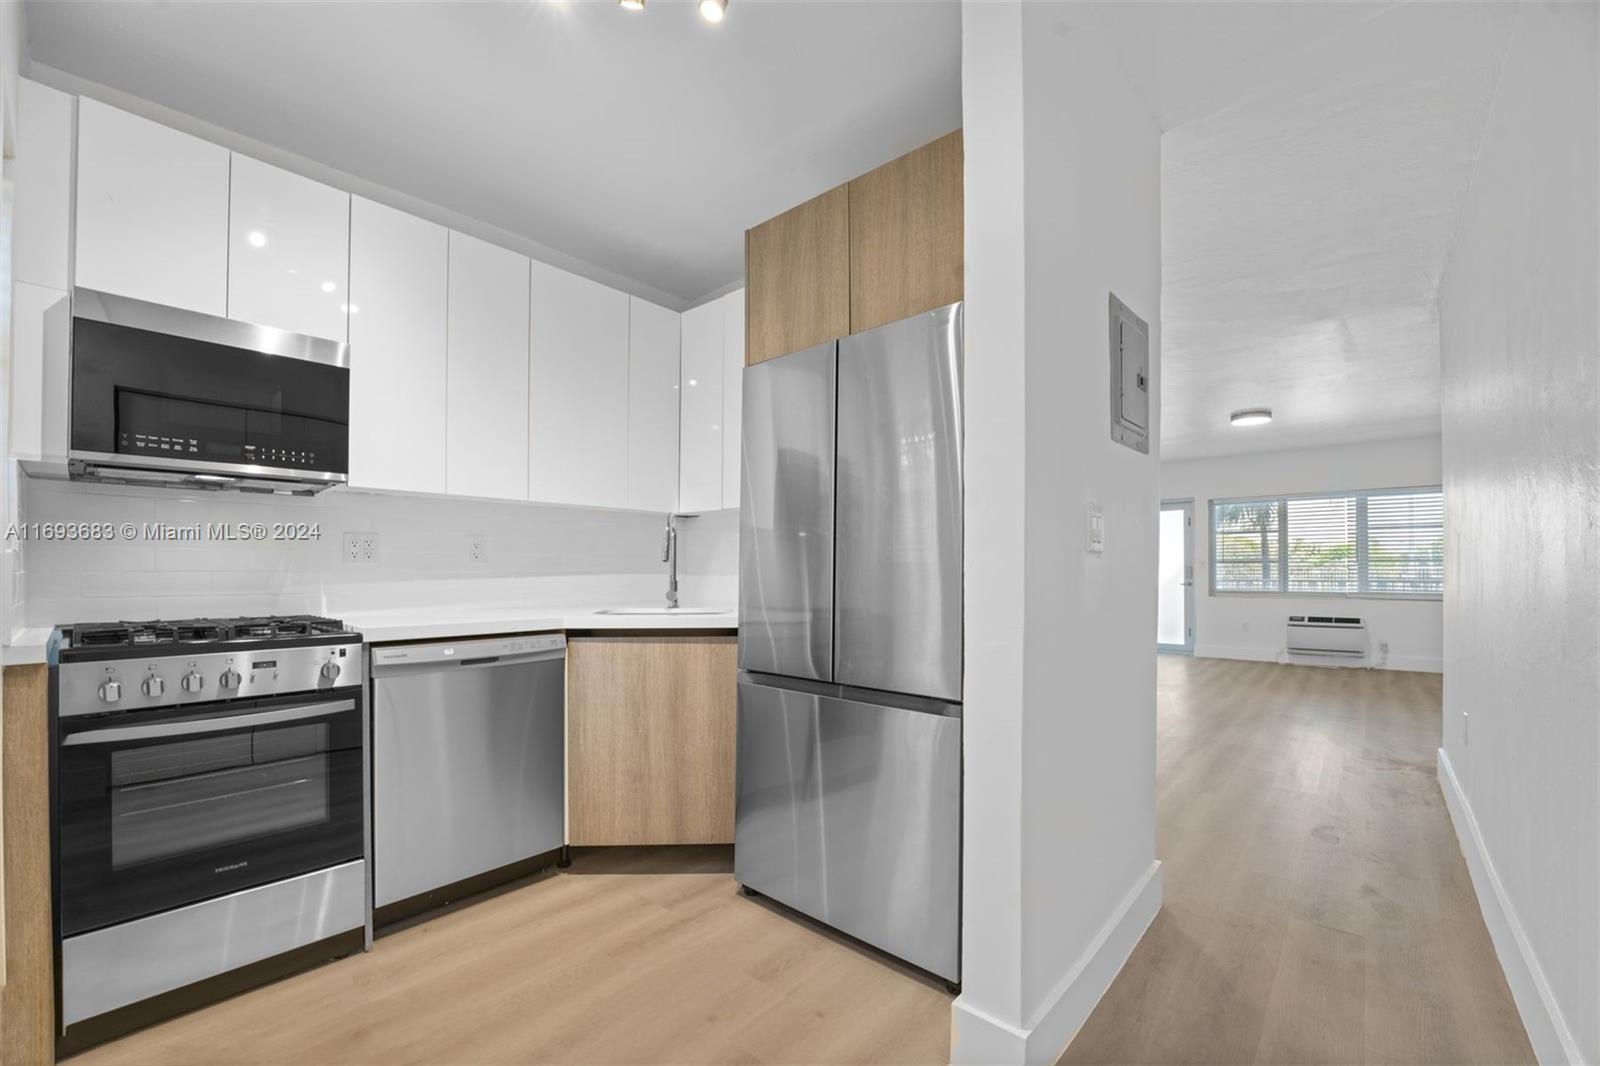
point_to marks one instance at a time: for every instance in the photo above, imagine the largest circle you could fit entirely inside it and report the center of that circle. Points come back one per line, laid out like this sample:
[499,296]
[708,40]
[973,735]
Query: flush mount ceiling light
[1251,416]
[632,5]
[257,239]
[713,10]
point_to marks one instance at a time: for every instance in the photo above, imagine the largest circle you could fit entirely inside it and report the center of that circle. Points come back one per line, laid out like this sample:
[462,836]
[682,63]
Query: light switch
[1094,530]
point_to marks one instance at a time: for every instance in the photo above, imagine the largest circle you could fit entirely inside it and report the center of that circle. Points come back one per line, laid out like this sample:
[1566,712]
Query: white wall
[537,555]
[1062,207]
[1250,626]
[1519,313]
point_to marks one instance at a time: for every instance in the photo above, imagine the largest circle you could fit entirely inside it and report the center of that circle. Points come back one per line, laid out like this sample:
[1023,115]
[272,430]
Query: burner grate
[158,633]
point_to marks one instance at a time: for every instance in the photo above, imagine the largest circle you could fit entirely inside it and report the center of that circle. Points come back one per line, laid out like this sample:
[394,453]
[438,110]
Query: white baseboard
[1552,1040]
[980,1038]
[1417,663]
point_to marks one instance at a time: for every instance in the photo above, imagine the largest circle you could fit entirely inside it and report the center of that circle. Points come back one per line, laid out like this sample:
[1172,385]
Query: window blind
[1387,542]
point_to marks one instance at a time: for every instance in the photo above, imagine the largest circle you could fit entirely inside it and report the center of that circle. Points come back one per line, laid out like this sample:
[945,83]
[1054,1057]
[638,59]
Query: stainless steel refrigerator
[849,735]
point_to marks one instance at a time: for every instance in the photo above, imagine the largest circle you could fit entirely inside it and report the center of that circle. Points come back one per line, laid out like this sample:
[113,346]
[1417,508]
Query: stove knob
[229,678]
[330,670]
[111,691]
[154,686]
[193,682]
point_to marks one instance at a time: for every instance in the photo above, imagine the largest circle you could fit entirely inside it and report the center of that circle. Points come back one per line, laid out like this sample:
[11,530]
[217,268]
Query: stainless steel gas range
[209,795]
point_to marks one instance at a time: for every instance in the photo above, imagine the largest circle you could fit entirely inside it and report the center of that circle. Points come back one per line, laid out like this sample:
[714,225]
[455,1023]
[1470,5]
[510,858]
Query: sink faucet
[669,555]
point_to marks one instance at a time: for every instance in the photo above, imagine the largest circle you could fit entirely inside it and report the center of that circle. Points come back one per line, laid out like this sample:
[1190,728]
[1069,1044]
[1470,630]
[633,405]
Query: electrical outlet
[1244,627]
[1383,647]
[1094,530]
[361,549]
[477,548]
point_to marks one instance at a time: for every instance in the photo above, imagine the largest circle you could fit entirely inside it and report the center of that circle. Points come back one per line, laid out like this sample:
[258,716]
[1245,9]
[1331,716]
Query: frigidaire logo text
[231,866]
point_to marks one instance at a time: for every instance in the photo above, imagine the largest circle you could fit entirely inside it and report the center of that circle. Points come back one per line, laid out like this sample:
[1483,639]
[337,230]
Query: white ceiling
[643,143]
[1314,165]
[1313,170]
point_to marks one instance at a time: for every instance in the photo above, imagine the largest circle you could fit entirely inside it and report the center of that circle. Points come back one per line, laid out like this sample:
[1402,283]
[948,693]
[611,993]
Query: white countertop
[446,623]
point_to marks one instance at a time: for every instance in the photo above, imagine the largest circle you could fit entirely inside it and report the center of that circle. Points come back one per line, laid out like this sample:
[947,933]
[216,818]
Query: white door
[288,251]
[487,399]
[652,406]
[152,211]
[577,391]
[700,432]
[398,288]
[1175,584]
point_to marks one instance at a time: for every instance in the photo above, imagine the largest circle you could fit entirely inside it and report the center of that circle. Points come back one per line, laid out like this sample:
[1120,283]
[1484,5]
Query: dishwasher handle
[467,654]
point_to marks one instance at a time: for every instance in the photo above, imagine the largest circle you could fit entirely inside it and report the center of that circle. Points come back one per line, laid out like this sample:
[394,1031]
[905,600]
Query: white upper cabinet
[43,191]
[152,211]
[398,288]
[700,434]
[487,420]
[652,406]
[732,392]
[288,251]
[577,391]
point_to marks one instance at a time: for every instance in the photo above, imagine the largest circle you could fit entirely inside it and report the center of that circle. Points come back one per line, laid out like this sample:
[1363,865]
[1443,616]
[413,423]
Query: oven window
[194,795]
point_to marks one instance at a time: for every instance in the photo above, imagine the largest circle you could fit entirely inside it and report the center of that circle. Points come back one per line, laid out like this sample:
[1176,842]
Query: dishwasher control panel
[471,650]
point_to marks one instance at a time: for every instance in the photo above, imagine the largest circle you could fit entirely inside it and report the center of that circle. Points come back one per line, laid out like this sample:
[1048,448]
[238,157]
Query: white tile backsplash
[536,555]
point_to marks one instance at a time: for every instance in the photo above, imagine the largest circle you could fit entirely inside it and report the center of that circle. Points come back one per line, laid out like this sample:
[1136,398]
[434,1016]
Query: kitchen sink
[663,610]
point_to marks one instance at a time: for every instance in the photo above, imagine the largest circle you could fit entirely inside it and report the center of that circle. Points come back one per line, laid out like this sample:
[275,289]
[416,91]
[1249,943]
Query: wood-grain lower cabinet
[797,285]
[650,739]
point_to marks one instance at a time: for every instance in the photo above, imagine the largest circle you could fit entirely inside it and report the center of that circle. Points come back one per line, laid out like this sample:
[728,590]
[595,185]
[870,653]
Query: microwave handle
[116,734]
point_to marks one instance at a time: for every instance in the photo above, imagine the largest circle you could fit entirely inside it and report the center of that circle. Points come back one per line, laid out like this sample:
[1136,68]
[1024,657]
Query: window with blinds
[1385,542]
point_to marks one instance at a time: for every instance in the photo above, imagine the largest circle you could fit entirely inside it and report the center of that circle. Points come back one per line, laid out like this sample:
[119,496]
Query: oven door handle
[115,734]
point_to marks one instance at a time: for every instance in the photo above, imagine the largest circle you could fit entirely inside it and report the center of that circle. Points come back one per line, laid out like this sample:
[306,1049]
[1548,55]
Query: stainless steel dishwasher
[468,766]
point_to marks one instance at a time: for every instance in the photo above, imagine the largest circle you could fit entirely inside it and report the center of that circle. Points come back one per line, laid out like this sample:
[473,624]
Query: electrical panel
[1130,378]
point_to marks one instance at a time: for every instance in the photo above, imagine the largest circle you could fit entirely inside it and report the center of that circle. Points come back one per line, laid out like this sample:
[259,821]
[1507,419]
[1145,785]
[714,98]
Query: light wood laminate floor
[1317,910]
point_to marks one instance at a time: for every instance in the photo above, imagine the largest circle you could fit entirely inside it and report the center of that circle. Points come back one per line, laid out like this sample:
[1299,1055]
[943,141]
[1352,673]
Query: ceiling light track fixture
[1251,416]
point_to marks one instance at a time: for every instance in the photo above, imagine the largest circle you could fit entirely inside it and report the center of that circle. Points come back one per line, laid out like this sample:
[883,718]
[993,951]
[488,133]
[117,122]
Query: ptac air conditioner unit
[1327,636]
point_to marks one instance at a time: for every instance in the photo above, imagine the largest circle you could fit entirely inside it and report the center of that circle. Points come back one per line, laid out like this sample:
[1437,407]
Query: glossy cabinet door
[42,193]
[152,211]
[732,392]
[398,266]
[797,269]
[652,406]
[487,398]
[288,251]
[577,391]
[700,435]
[41,244]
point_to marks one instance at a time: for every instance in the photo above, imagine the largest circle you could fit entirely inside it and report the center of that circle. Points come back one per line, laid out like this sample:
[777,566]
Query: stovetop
[185,633]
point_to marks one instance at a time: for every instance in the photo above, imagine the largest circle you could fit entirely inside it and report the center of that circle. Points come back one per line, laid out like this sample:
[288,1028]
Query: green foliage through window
[1383,542]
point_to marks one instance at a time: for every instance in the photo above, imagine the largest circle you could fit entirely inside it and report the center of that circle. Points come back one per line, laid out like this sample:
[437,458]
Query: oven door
[158,809]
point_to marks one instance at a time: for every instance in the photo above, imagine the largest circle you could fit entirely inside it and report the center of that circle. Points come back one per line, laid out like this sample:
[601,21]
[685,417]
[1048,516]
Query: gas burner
[156,634]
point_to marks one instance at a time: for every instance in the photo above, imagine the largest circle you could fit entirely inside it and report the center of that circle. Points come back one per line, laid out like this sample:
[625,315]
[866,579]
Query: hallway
[1317,908]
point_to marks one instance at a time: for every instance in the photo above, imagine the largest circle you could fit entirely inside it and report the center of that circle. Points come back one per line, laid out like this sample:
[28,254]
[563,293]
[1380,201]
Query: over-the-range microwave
[166,396]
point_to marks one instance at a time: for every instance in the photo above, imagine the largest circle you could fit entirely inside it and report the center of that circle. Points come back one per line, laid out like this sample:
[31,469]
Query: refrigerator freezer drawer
[898,548]
[786,516]
[851,812]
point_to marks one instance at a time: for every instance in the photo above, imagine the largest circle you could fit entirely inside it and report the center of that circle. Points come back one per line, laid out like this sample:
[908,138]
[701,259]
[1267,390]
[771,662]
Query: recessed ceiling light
[713,10]
[632,5]
[257,239]
[328,286]
[1251,416]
